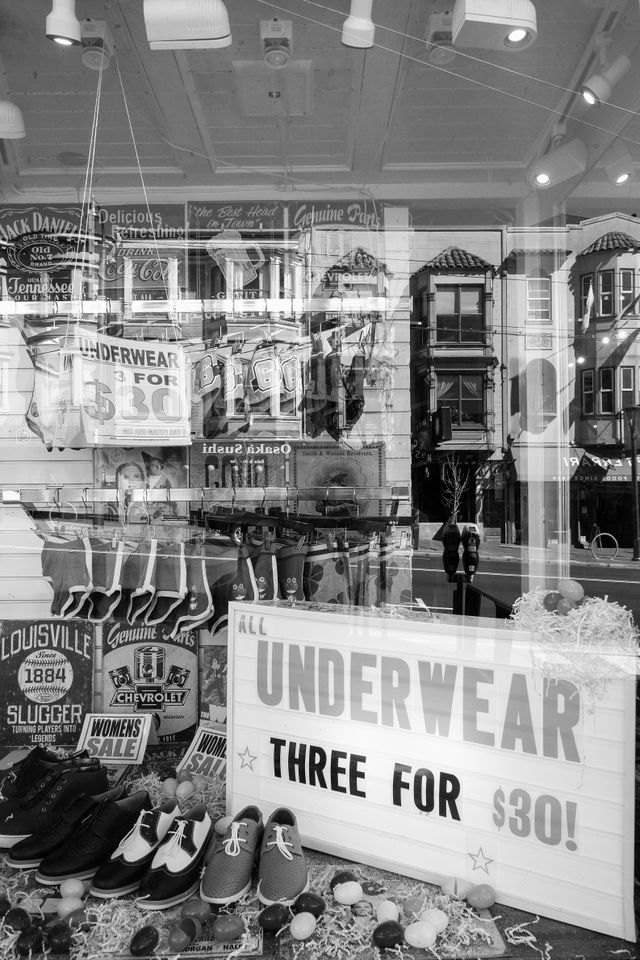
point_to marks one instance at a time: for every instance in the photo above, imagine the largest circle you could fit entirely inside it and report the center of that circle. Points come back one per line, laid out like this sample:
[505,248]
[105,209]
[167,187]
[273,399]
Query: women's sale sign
[439,750]
[46,680]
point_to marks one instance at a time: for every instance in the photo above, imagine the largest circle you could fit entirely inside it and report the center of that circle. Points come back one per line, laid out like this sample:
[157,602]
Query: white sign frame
[589,782]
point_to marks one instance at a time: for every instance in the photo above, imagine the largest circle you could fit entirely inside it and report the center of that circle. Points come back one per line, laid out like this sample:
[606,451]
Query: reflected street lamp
[633,419]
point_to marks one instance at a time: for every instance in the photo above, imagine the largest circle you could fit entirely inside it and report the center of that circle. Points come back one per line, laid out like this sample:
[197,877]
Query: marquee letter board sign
[438,750]
[46,680]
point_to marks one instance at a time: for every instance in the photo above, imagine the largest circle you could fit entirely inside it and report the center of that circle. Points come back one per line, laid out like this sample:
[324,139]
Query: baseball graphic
[45,676]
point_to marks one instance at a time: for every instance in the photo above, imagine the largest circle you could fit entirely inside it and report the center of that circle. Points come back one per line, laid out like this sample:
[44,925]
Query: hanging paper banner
[438,750]
[130,392]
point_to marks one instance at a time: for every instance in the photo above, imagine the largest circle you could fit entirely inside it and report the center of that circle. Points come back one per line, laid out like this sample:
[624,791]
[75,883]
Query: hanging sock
[327,574]
[354,392]
[315,395]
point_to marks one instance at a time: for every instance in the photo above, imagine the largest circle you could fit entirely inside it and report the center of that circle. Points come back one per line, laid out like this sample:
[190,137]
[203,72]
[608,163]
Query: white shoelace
[129,839]
[232,845]
[176,837]
[280,842]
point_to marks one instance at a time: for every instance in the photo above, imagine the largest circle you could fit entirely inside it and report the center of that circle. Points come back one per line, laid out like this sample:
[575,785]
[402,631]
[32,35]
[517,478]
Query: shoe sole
[23,864]
[9,840]
[221,901]
[285,903]
[109,894]
[74,875]
[145,904]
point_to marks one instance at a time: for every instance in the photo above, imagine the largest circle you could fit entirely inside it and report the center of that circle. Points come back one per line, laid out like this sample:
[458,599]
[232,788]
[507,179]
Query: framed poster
[328,465]
[46,680]
[437,750]
[143,468]
[149,673]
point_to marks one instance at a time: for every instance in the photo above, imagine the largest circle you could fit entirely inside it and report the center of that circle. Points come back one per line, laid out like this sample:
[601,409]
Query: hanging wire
[174,324]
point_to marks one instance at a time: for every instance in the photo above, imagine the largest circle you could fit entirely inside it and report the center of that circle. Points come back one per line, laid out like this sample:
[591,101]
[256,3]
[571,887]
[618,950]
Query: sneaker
[227,876]
[174,874]
[31,852]
[129,862]
[26,773]
[282,874]
[51,794]
[94,842]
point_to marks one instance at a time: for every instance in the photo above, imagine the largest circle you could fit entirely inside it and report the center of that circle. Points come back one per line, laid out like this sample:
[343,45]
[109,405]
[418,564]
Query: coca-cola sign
[149,270]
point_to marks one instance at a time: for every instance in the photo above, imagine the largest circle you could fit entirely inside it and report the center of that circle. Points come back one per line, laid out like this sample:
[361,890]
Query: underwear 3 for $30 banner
[148,672]
[46,680]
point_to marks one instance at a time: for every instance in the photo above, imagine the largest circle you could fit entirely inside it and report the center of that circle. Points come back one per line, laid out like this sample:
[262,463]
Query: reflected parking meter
[470,550]
[451,552]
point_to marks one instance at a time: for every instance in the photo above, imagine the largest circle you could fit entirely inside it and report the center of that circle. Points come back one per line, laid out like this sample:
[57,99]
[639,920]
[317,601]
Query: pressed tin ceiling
[385,122]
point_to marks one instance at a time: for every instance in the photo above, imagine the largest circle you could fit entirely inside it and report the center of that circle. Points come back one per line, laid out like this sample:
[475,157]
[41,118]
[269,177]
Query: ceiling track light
[188,25]
[618,165]
[277,39]
[562,163]
[599,87]
[359,29]
[62,26]
[494,24]
[11,121]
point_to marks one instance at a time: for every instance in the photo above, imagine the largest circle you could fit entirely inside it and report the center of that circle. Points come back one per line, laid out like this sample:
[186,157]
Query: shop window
[460,313]
[606,293]
[586,285]
[627,288]
[463,394]
[627,386]
[588,394]
[606,390]
[538,299]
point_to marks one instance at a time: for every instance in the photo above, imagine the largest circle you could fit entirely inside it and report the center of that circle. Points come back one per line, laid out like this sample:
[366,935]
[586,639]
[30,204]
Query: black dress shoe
[126,866]
[94,842]
[30,852]
[24,775]
[49,797]
[174,874]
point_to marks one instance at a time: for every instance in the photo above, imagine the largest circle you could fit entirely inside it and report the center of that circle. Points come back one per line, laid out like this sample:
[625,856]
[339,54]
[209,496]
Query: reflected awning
[576,464]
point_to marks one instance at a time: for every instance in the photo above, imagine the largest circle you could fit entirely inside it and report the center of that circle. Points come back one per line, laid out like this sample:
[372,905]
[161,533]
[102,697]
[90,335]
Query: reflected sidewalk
[551,554]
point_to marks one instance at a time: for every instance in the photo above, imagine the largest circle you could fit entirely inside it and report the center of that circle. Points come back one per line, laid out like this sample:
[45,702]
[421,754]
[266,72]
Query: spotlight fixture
[618,164]
[188,25]
[494,24]
[276,37]
[359,29]
[11,121]
[97,44]
[62,25]
[599,86]
[560,164]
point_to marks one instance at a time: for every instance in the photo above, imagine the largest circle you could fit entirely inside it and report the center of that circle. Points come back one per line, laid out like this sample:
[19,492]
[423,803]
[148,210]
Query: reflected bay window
[463,394]
[627,386]
[460,313]
[606,395]
[588,394]
[538,299]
